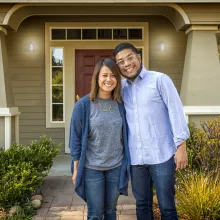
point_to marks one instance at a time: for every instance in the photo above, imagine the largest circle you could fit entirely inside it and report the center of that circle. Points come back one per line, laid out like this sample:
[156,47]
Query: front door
[85,64]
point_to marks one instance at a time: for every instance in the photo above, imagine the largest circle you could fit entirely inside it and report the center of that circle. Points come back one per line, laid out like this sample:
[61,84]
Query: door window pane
[120,34]
[135,34]
[89,34]
[57,57]
[104,33]
[57,94]
[58,34]
[57,112]
[74,34]
[57,75]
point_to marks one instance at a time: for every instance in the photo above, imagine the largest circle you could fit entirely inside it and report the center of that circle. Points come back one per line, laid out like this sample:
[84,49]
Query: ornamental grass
[198,198]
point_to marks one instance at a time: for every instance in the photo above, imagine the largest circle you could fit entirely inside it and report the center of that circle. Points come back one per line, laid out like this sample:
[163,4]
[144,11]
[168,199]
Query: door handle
[77,97]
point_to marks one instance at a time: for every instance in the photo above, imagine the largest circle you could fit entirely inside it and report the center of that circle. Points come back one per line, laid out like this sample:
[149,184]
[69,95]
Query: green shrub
[198,197]
[22,169]
[203,146]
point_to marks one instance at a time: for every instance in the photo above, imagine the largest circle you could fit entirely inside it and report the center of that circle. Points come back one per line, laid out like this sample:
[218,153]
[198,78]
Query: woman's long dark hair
[111,64]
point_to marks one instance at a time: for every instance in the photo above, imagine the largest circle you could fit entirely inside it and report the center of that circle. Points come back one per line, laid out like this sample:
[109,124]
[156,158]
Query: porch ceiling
[19,12]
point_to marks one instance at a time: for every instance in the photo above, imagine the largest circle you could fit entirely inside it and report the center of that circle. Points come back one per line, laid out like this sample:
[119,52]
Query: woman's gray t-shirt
[104,148]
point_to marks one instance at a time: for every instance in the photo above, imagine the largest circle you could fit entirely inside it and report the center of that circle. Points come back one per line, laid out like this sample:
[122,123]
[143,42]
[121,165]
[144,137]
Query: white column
[7,132]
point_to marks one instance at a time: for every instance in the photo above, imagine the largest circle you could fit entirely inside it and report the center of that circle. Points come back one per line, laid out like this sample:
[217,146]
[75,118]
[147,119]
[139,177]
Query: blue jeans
[102,192]
[163,177]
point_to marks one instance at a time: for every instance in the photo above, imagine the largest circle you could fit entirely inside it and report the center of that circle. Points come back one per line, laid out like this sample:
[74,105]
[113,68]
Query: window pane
[57,112]
[120,34]
[58,34]
[57,75]
[89,34]
[57,94]
[57,57]
[104,33]
[135,34]
[73,34]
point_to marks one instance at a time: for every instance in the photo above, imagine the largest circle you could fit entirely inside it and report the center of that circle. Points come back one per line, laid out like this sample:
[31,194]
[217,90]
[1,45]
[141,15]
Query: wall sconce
[32,46]
[161,46]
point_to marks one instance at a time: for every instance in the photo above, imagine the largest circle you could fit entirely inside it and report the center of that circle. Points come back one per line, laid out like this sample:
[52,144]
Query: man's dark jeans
[163,177]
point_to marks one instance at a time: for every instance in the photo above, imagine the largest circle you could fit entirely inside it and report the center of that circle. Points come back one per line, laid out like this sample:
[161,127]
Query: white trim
[7,132]
[202,28]
[9,111]
[51,86]
[201,110]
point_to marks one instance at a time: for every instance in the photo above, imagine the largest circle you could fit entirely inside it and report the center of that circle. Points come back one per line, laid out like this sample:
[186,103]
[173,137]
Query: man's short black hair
[123,46]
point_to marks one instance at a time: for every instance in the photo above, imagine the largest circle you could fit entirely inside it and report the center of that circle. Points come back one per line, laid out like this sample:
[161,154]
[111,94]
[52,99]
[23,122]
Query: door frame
[69,64]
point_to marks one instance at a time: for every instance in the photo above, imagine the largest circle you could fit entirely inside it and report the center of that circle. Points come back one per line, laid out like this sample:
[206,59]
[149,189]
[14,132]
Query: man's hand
[180,157]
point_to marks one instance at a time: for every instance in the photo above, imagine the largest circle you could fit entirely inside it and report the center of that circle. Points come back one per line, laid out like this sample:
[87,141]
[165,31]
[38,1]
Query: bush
[203,146]
[198,197]
[22,169]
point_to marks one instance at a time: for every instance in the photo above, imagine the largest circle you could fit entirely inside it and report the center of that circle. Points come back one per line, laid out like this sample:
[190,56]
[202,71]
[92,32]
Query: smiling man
[157,133]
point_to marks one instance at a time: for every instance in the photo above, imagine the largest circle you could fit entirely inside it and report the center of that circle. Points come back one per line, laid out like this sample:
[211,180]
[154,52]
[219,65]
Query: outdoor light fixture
[162,46]
[31,47]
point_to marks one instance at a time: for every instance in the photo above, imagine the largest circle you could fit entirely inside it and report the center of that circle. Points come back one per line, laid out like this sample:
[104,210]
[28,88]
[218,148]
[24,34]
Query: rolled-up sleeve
[172,100]
[75,137]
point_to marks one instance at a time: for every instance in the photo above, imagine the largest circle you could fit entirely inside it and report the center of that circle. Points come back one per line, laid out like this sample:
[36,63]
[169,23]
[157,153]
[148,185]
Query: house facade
[48,51]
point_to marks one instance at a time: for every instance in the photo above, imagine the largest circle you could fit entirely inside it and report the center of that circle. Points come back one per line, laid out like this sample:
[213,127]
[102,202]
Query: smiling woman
[98,143]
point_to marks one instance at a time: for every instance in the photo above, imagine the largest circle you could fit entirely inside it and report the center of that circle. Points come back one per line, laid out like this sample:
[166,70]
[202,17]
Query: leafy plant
[198,197]
[203,146]
[22,169]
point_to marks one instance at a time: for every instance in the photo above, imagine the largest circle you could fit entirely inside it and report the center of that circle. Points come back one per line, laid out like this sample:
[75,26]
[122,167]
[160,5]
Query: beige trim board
[201,110]
[20,12]
[108,1]
[202,28]
[3,30]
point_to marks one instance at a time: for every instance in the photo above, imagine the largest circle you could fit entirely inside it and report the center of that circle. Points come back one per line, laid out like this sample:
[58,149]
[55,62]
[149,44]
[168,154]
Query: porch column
[9,114]
[201,74]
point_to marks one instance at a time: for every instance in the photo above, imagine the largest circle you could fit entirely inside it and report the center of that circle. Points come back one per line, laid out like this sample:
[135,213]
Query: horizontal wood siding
[171,61]
[28,81]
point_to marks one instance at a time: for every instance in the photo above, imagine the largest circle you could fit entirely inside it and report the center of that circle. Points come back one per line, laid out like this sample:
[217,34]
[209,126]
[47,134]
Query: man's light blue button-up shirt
[155,116]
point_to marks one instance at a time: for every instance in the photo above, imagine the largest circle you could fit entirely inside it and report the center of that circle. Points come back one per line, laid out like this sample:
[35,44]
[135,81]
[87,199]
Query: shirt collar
[141,76]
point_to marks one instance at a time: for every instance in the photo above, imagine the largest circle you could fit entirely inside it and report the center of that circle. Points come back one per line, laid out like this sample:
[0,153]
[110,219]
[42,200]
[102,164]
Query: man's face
[129,63]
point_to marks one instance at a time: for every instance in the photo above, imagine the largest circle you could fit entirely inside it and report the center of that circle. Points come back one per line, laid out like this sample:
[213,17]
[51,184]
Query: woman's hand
[75,167]
[74,176]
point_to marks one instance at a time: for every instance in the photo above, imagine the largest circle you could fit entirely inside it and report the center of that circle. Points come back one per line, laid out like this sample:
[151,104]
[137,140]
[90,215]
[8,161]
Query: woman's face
[107,81]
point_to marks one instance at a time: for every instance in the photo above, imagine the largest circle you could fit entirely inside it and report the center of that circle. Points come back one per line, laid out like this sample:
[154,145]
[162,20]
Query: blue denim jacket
[79,130]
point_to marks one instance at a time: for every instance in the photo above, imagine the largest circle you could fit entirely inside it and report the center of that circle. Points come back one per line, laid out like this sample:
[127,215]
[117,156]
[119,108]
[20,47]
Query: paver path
[61,203]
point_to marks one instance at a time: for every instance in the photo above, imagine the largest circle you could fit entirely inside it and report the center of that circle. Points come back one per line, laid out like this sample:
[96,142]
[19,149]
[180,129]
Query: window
[58,34]
[73,34]
[105,34]
[97,34]
[120,34]
[57,73]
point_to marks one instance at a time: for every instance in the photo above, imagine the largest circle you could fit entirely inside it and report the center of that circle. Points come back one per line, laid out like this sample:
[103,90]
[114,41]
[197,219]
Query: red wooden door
[85,64]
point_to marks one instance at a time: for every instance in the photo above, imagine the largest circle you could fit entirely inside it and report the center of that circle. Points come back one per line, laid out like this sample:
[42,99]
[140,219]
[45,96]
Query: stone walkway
[61,203]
